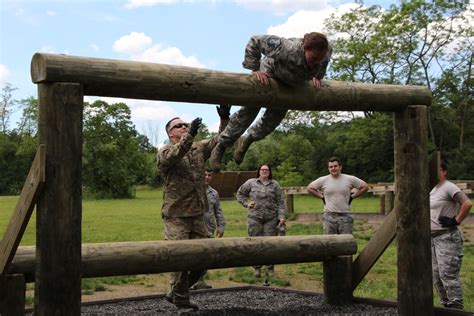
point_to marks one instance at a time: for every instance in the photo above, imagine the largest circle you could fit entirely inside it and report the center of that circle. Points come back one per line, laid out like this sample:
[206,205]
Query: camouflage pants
[260,227]
[241,120]
[178,229]
[337,223]
[447,254]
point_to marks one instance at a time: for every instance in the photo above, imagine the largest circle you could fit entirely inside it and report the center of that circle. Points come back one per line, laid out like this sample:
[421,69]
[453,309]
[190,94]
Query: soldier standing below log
[213,217]
[264,199]
[335,191]
[447,239]
[292,62]
[182,165]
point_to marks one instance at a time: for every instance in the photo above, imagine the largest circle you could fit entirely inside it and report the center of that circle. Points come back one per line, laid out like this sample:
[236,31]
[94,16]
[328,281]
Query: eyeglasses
[179,125]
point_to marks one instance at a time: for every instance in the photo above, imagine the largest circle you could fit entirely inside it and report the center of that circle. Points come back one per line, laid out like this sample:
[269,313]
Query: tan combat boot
[243,144]
[216,158]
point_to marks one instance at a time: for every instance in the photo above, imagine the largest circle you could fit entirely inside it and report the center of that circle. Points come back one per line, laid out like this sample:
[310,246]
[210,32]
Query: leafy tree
[113,159]
[7,103]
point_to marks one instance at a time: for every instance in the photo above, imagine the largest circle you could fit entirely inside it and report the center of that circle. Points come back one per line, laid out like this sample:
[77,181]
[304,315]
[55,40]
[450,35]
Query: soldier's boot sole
[216,158]
[243,144]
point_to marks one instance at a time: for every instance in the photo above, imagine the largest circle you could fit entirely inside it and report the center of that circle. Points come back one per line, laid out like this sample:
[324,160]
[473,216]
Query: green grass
[140,219]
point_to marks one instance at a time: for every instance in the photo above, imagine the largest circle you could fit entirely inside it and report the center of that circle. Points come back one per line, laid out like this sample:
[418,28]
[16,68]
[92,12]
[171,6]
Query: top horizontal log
[141,80]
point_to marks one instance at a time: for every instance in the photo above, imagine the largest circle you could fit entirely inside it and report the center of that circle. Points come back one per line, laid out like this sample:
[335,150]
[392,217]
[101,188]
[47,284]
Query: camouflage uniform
[182,166]
[284,60]
[214,215]
[446,244]
[262,219]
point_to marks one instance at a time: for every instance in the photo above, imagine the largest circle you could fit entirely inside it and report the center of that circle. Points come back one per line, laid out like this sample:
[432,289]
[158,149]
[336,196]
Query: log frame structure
[64,80]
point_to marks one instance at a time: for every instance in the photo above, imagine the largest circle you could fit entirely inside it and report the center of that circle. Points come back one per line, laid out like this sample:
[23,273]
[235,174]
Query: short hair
[443,166]
[270,176]
[167,126]
[208,169]
[315,41]
[332,159]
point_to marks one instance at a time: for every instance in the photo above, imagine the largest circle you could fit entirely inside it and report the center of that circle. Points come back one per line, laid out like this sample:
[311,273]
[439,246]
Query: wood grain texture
[415,285]
[59,209]
[140,80]
[23,209]
[129,258]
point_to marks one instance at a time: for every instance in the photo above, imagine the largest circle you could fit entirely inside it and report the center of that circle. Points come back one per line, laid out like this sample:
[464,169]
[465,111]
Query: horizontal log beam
[129,258]
[141,80]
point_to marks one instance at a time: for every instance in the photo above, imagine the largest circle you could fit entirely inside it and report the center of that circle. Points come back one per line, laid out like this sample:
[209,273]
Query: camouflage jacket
[283,59]
[182,167]
[214,215]
[268,198]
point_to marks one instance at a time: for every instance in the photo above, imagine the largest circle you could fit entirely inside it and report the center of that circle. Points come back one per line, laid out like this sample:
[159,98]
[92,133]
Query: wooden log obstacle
[63,81]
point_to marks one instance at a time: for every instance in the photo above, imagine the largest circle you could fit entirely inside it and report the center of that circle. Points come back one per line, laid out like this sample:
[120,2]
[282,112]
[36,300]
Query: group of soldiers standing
[189,202]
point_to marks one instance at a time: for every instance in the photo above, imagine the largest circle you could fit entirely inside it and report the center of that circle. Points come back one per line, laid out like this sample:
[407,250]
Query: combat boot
[185,304]
[216,157]
[257,273]
[243,144]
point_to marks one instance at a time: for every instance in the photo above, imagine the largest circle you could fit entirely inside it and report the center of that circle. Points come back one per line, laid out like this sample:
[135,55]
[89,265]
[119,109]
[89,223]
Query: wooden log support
[129,258]
[374,249]
[338,280]
[389,201]
[289,203]
[415,295]
[59,210]
[140,80]
[23,209]
[382,204]
[12,295]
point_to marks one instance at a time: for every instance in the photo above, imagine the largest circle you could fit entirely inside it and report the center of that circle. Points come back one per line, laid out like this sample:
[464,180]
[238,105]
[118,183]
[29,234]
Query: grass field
[139,219]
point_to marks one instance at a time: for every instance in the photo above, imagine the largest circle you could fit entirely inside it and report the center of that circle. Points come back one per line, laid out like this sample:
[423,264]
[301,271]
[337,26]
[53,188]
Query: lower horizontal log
[129,258]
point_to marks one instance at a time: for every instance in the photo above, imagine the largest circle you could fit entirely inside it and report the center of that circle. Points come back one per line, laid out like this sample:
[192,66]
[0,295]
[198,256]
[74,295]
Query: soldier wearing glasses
[263,197]
[182,165]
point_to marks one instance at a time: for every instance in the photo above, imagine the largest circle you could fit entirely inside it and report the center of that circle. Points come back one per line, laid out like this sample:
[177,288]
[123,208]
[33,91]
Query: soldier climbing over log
[291,61]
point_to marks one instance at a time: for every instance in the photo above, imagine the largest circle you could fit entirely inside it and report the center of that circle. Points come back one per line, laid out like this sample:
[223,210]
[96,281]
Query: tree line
[413,43]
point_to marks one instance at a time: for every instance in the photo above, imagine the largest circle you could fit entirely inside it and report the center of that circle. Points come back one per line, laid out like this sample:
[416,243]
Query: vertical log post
[389,201]
[289,202]
[338,280]
[415,294]
[382,204]
[12,295]
[59,210]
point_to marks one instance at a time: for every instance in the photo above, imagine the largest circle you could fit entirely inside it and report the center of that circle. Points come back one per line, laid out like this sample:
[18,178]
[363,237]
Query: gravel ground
[246,302]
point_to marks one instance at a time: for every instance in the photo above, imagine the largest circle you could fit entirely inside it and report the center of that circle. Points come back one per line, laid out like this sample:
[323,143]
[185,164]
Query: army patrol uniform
[446,244]
[214,216]
[269,208]
[182,166]
[283,60]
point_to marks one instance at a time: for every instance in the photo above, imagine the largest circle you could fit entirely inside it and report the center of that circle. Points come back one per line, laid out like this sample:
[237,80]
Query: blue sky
[208,34]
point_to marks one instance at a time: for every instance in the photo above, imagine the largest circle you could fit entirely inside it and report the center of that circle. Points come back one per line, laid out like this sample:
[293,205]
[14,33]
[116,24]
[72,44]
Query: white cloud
[137,45]
[303,21]
[4,75]
[132,43]
[284,6]
[133,4]
[50,13]
[167,55]
[94,47]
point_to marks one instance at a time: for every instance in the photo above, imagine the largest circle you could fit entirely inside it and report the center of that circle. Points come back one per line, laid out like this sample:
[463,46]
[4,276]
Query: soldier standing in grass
[446,239]
[182,165]
[335,190]
[264,199]
[291,61]
[213,217]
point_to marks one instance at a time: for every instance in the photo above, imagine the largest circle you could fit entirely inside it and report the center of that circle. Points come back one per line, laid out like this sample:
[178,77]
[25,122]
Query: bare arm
[362,189]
